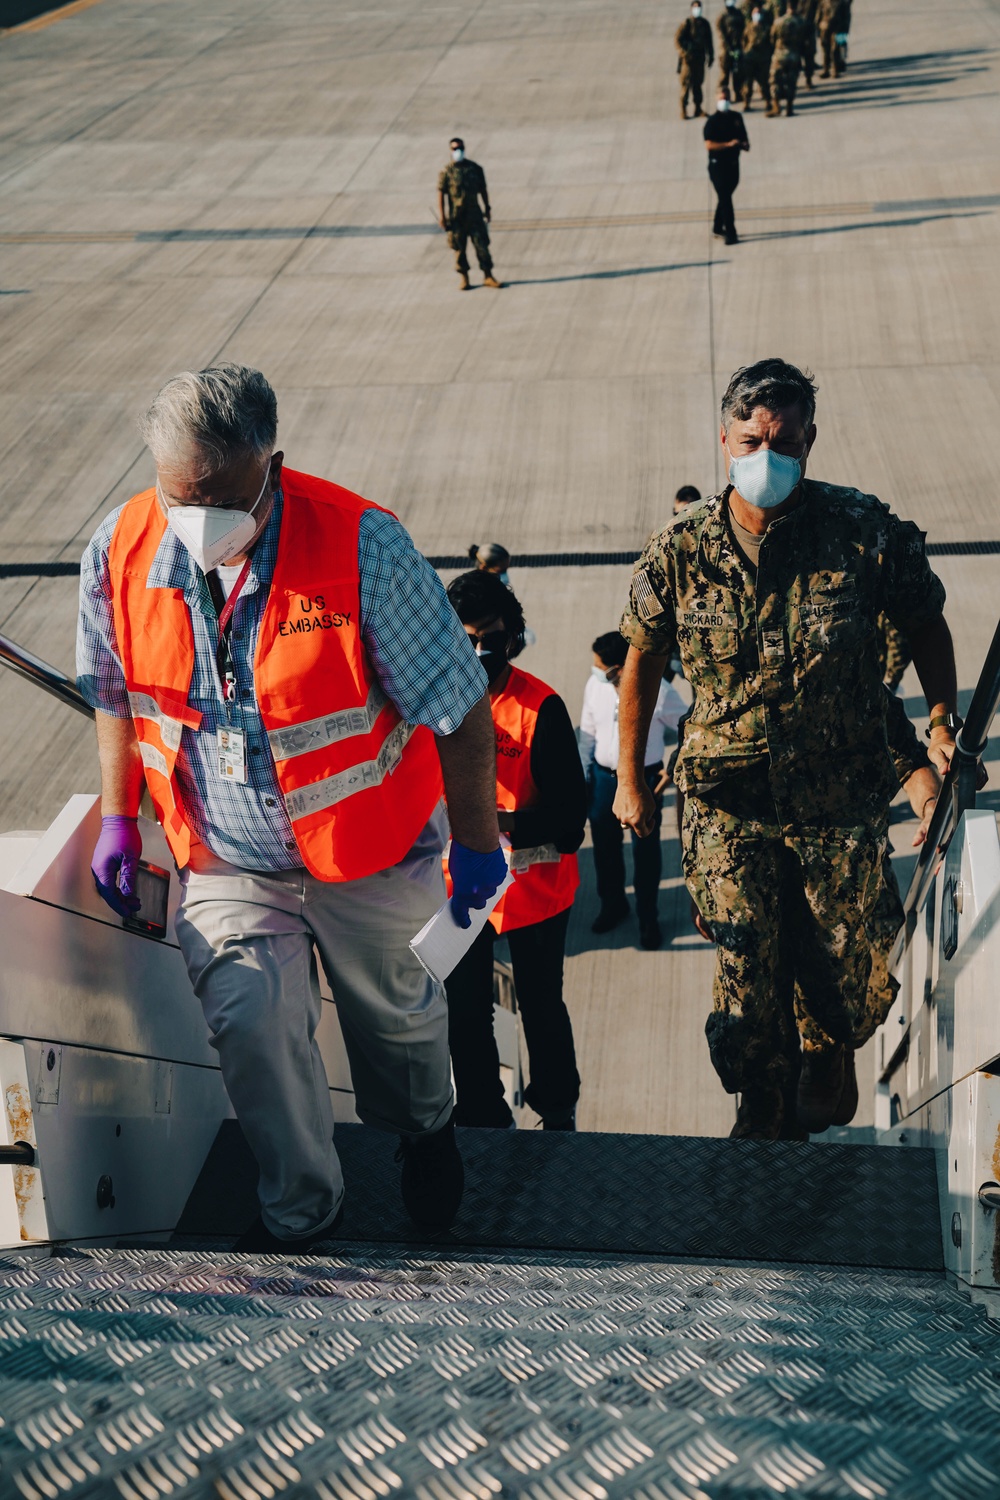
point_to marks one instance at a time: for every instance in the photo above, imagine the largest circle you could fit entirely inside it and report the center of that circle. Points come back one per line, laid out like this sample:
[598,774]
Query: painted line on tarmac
[39,23]
[518,560]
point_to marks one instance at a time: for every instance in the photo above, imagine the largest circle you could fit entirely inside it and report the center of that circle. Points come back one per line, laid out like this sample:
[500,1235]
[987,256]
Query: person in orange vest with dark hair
[274,660]
[542,807]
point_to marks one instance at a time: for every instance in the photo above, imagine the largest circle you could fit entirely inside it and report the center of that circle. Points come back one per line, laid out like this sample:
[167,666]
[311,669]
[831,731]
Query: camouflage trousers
[756,70]
[794,914]
[459,234]
[785,75]
[886,922]
[731,73]
[692,77]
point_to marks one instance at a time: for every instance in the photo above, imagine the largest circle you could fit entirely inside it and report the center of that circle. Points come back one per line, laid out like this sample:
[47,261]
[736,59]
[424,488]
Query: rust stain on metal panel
[22,1128]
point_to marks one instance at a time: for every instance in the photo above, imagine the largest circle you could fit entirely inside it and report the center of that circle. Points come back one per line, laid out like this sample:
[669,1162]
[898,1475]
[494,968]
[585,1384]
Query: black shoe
[609,917]
[258,1239]
[433,1178]
[560,1122]
[720,234]
[650,936]
[732,239]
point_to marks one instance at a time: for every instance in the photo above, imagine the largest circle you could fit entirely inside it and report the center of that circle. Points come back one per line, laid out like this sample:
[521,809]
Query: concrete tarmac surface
[231,179]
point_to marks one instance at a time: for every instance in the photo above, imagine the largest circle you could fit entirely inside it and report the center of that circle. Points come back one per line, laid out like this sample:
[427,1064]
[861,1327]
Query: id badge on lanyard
[232,746]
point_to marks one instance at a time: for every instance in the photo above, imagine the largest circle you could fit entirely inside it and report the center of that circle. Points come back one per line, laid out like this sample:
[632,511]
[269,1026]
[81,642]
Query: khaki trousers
[250,942]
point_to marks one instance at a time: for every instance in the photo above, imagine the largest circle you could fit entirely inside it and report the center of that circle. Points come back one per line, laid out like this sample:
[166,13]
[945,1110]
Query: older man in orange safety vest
[269,655]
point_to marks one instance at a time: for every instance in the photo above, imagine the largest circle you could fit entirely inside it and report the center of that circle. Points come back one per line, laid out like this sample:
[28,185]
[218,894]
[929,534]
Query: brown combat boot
[771,112]
[826,1087]
[760,1115]
[492,281]
[464,283]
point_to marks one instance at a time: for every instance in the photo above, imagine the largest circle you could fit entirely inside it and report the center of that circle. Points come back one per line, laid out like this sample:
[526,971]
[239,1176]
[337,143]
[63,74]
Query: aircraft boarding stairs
[611,1316]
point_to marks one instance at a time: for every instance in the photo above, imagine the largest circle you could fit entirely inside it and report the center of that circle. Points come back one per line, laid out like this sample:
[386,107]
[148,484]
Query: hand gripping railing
[958,793]
[49,679]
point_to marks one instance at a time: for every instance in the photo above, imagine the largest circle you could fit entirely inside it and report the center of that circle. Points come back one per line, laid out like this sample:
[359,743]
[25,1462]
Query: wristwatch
[944,721]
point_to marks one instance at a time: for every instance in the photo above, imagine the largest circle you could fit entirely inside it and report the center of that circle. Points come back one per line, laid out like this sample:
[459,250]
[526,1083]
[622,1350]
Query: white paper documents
[440,943]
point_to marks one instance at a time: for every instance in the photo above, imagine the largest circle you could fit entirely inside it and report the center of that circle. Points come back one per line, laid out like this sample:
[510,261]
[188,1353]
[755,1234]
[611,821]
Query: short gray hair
[225,413]
[773,384]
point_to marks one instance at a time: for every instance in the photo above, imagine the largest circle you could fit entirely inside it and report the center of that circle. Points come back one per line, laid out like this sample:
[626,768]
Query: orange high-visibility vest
[358,782]
[545,881]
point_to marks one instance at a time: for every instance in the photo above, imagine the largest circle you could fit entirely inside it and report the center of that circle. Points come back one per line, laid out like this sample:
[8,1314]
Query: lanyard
[224,655]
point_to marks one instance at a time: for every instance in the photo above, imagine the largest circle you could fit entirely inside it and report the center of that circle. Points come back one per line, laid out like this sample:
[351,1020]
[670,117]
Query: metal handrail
[958,793]
[44,676]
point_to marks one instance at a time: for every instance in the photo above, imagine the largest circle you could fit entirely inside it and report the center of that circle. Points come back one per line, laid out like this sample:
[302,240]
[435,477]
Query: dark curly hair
[478,596]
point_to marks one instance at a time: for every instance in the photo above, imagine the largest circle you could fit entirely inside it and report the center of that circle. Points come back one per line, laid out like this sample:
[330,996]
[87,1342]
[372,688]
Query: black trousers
[536,956]
[609,858]
[725,177]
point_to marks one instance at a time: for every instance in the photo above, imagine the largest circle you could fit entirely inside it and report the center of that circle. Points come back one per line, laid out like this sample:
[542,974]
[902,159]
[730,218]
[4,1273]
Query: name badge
[232,745]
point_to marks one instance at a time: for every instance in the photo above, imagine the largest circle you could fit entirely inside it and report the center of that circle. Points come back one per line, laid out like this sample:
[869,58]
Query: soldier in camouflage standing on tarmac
[810,35]
[730,25]
[694,45]
[460,187]
[833,18]
[757,56]
[769,593]
[788,37]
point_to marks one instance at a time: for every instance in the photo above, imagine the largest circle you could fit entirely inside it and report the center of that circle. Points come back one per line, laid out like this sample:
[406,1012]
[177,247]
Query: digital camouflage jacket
[462,183]
[784,665]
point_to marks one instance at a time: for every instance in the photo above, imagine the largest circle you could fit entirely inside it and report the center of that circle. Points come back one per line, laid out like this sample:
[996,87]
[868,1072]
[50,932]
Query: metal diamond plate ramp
[383,1372]
[628,1194]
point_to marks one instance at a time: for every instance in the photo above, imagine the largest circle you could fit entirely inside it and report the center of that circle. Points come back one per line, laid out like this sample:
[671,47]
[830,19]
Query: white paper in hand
[440,943]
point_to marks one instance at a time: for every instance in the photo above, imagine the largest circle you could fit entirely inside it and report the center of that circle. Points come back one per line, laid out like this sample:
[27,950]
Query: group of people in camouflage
[789,603]
[765,44]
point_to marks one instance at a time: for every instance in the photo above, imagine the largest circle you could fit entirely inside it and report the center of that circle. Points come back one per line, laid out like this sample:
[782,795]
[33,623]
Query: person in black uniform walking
[725,138]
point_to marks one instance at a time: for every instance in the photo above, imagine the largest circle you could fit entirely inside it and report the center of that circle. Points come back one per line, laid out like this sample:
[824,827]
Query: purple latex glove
[474,878]
[114,863]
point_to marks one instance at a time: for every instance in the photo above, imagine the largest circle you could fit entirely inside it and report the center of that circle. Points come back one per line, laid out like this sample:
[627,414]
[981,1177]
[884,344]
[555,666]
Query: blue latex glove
[114,864]
[474,879]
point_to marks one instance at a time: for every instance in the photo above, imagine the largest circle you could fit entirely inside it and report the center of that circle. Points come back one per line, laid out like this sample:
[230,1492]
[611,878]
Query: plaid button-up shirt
[417,647]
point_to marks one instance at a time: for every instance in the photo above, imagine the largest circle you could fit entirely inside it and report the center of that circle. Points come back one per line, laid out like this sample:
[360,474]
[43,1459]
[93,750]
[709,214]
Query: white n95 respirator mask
[765,478]
[211,533]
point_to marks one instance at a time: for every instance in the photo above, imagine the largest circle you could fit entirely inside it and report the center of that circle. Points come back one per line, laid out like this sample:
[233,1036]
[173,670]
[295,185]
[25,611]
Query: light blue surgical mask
[457,154]
[505,579]
[765,478]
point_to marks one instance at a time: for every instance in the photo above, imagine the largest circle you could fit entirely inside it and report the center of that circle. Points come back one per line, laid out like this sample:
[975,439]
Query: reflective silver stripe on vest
[315,734]
[153,757]
[333,789]
[541,854]
[145,707]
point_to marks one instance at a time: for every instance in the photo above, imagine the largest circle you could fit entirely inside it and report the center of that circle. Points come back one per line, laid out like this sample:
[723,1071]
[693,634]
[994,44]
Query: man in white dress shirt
[599,753]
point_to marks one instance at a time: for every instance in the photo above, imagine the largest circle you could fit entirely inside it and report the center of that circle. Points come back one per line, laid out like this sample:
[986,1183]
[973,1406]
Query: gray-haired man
[270,654]
[770,593]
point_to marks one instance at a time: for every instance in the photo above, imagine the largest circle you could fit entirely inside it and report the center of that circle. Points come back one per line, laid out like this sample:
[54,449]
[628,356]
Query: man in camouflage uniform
[730,25]
[770,592]
[788,37]
[460,187]
[807,15]
[757,55]
[695,49]
[833,18]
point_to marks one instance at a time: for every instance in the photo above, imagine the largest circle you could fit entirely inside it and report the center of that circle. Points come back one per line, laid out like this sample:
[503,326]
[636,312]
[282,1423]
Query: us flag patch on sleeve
[646,600]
